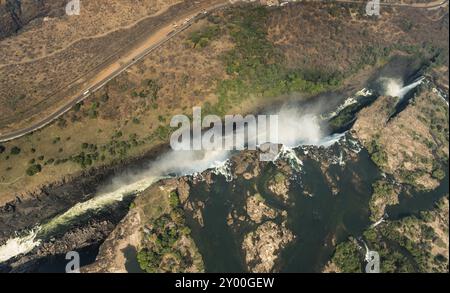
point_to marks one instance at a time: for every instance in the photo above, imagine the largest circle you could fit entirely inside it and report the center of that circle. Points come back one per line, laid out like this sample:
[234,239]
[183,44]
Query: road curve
[100,82]
[125,63]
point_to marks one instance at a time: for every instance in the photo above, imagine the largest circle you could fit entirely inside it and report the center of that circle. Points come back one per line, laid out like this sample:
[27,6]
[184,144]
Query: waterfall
[395,88]
[406,89]
[297,127]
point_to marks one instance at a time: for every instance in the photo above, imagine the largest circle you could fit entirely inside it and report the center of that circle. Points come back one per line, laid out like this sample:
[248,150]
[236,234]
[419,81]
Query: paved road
[127,62]
[117,68]
[429,5]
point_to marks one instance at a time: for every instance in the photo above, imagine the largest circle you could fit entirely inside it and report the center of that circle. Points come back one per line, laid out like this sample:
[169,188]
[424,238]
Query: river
[324,216]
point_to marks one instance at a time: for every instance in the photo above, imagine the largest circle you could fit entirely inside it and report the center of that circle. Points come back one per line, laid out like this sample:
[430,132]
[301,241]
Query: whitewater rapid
[25,243]
[297,127]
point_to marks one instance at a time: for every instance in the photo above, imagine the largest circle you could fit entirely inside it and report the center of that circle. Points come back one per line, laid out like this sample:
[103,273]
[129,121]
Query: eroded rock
[262,247]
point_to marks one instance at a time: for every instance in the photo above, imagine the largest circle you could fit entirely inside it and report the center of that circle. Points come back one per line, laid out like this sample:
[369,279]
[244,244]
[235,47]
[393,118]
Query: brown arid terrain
[130,115]
[137,232]
[234,60]
[49,63]
[412,142]
[412,146]
[50,35]
[55,58]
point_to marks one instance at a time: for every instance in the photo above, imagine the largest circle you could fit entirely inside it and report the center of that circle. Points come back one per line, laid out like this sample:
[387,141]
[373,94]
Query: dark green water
[217,243]
[319,221]
[411,203]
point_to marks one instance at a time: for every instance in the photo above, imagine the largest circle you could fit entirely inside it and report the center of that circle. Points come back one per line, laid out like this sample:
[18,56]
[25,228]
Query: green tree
[346,257]
[34,169]
[174,200]
[439,174]
[15,150]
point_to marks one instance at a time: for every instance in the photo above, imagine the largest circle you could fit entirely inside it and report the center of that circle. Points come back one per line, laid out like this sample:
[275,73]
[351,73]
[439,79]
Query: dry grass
[72,49]
[185,76]
[409,141]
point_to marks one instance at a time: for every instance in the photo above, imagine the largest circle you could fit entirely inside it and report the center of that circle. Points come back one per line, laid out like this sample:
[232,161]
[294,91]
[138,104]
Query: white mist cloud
[395,87]
[298,127]
[391,86]
[295,127]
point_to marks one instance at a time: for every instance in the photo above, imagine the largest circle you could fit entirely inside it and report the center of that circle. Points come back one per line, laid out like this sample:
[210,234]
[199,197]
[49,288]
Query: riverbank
[113,131]
[130,117]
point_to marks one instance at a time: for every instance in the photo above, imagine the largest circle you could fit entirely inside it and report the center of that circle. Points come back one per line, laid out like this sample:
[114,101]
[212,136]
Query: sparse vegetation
[384,193]
[378,155]
[258,67]
[204,36]
[174,200]
[438,174]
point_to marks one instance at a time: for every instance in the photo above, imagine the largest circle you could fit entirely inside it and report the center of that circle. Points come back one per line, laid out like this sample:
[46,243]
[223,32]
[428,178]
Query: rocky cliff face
[270,210]
[247,206]
[15,14]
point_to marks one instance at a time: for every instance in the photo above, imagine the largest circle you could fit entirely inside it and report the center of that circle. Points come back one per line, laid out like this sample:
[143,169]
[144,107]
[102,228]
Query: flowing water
[314,219]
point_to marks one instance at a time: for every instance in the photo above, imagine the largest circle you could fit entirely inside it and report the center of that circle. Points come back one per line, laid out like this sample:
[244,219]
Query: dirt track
[122,63]
[140,49]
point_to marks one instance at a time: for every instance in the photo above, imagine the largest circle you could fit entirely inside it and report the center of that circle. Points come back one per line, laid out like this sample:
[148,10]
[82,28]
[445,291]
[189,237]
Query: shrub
[438,174]
[163,132]
[378,156]
[62,123]
[203,37]
[185,230]
[77,107]
[50,161]
[279,178]
[34,169]
[174,200]
[15,150]
[148,260]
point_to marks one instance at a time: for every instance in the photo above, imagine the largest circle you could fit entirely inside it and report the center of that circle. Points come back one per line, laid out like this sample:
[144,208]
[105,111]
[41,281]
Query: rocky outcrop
[412,145]
[155,214]
[183,190]
[111,256]
[262,247]
[257,210]
[197,211]
[76,239]
[279,185]
[15,14]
